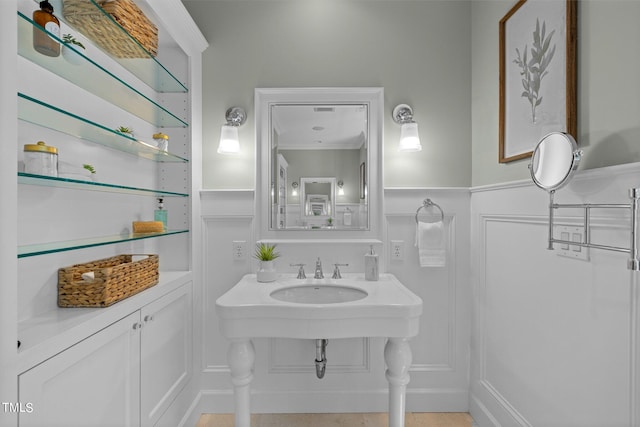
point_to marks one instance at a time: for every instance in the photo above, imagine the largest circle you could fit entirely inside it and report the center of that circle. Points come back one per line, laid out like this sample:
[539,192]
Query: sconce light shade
[340,188]
[229,141]
[294,185]
[409,137]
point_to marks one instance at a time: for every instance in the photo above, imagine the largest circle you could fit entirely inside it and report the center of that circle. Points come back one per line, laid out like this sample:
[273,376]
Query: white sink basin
[318,294]
[319,308]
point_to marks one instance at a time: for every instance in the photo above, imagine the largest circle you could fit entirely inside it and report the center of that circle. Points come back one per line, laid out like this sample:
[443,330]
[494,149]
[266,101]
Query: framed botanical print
[537,75]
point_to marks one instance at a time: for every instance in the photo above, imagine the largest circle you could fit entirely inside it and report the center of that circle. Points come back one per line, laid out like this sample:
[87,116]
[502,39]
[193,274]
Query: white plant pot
[267,272]
[70,54]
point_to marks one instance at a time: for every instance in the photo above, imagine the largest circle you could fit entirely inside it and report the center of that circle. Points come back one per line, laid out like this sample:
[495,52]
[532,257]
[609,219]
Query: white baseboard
[480,414]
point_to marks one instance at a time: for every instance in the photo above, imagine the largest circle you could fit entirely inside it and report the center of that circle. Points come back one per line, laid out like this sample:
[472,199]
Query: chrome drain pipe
[321,357]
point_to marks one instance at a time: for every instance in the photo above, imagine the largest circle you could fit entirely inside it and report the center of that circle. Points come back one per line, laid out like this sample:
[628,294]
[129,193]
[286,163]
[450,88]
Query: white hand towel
[431,243]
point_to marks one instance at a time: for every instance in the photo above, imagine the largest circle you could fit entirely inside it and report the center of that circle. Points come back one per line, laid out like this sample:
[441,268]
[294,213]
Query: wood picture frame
[537,75]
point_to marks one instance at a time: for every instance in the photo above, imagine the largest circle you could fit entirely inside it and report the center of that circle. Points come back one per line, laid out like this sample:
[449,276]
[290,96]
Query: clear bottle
[43,42]
[160,214]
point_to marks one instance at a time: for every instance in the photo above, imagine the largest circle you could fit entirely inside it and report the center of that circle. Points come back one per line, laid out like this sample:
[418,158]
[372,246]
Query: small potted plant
[70,49]
[125,130]
[266,254]
[91,169]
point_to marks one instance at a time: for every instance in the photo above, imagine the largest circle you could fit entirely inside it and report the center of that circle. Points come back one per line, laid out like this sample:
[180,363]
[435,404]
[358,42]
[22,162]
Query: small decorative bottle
[43,42]
[162,141]
[160,214]
[371,271]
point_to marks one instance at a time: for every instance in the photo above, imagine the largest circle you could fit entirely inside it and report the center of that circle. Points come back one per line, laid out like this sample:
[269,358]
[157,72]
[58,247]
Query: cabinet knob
[137,326]
[148,318]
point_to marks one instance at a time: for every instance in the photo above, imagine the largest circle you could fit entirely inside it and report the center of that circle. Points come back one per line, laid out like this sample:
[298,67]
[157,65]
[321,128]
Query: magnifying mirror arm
[551,208]
[634,206]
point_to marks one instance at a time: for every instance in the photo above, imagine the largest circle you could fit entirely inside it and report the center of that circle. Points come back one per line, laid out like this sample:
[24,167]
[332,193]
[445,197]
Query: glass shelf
[52,181]
[95,79]
[70,245]
[40,113]
[146,68]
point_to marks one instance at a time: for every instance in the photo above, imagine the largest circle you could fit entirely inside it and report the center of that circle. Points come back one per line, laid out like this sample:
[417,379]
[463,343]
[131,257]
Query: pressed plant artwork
[534,69]
[537,75]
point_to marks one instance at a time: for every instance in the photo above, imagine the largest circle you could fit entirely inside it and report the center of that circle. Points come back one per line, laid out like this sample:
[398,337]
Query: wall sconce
[409,138]
[294,185]
[340,189]
[229,142]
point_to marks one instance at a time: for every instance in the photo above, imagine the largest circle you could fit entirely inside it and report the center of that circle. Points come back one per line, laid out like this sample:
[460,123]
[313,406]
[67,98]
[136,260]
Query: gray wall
[417,50]
[608,87]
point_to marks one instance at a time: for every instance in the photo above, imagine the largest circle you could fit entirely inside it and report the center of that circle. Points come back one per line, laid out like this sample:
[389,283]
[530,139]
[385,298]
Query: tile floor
[431,419]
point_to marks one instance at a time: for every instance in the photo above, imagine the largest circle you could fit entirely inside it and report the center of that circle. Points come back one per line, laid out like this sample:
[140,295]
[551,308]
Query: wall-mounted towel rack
[426,204]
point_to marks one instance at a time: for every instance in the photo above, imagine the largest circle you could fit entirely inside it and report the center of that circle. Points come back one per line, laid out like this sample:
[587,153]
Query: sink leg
[241,357]
[397,355]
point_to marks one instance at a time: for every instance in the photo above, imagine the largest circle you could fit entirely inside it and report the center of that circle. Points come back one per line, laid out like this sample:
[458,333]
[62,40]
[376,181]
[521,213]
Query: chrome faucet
[301,274]
[318,273]
[336,271]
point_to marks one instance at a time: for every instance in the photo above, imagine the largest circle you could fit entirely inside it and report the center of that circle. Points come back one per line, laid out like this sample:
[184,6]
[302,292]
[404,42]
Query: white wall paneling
[555,339]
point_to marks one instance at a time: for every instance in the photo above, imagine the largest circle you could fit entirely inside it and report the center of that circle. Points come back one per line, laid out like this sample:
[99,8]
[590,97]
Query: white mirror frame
[373,97]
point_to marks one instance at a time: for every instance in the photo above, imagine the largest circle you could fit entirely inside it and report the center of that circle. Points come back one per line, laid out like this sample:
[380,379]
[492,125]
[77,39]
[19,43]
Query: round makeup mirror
[554,160]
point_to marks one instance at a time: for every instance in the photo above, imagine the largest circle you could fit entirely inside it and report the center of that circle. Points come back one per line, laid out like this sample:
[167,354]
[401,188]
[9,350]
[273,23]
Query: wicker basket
[85,17]
[115,279]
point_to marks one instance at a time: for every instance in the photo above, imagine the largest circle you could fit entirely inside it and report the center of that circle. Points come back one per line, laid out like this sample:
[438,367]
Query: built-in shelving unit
[96,79]
[52,222]
[94,74]
[40,113]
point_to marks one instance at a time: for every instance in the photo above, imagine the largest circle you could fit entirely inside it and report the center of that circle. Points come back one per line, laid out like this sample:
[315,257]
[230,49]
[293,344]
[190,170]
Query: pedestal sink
[319,309]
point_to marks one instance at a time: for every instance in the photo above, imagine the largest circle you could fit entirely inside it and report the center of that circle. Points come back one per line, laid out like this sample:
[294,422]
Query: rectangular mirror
[318,150]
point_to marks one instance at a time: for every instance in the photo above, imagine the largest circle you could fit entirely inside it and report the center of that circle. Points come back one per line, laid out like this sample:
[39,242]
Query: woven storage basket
[85,17]
[115,279]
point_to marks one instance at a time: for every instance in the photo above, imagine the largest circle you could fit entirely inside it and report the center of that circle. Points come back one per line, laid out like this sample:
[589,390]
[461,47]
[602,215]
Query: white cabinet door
[94,383]
[165,352]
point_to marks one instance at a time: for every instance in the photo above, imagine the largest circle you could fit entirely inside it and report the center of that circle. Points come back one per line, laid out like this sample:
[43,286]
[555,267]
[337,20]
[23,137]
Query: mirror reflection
[554,160]
[313,148]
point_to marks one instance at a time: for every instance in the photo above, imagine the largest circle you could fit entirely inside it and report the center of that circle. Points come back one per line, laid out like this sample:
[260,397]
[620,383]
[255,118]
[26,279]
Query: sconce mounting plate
[236,116]
[402,113]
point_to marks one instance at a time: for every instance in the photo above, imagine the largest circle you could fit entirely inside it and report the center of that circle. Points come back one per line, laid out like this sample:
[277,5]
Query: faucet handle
[336,271]
[301,274]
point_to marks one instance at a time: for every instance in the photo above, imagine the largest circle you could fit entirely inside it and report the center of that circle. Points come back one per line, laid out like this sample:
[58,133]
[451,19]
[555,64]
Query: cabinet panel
[165,352]
[93,383]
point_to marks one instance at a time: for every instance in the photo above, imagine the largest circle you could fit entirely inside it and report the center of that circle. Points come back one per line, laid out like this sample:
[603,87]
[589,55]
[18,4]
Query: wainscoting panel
[554,340]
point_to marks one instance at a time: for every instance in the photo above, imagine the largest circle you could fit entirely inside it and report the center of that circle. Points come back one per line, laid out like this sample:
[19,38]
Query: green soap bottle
[160,214]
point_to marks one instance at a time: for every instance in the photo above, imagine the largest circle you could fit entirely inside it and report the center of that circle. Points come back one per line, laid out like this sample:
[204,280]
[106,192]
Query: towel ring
[427,203]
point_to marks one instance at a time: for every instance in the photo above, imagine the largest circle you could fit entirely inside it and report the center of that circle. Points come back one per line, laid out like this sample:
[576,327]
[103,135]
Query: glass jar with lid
[41,159]
[162,141]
